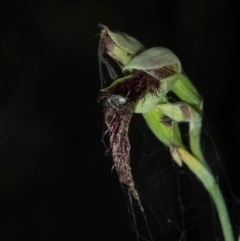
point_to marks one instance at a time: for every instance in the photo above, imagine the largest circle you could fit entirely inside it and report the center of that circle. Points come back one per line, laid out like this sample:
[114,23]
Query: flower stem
[195,144]
[195,162]
[212,187]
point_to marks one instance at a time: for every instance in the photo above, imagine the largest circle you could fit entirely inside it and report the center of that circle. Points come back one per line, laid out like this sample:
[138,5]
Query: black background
[56,183]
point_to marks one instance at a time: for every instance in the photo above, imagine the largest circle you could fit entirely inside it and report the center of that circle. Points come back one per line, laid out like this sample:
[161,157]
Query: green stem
[195,162]
[186,91]
[195,144]
[212,187]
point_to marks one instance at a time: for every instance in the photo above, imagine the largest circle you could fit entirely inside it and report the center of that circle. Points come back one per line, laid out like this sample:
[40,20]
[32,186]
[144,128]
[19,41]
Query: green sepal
[186,91]
[169,135]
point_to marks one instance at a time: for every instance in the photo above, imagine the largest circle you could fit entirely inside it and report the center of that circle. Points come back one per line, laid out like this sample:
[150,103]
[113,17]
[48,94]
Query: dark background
[56,183]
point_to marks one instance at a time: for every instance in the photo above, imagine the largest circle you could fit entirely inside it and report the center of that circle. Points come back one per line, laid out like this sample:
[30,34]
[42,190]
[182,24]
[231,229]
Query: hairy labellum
[120,102]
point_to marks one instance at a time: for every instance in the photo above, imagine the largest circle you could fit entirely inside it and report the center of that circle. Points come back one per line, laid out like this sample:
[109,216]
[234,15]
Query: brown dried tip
[120,46]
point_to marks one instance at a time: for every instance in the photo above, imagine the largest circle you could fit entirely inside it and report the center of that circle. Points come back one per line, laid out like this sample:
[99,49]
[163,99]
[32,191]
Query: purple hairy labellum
[120,102]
